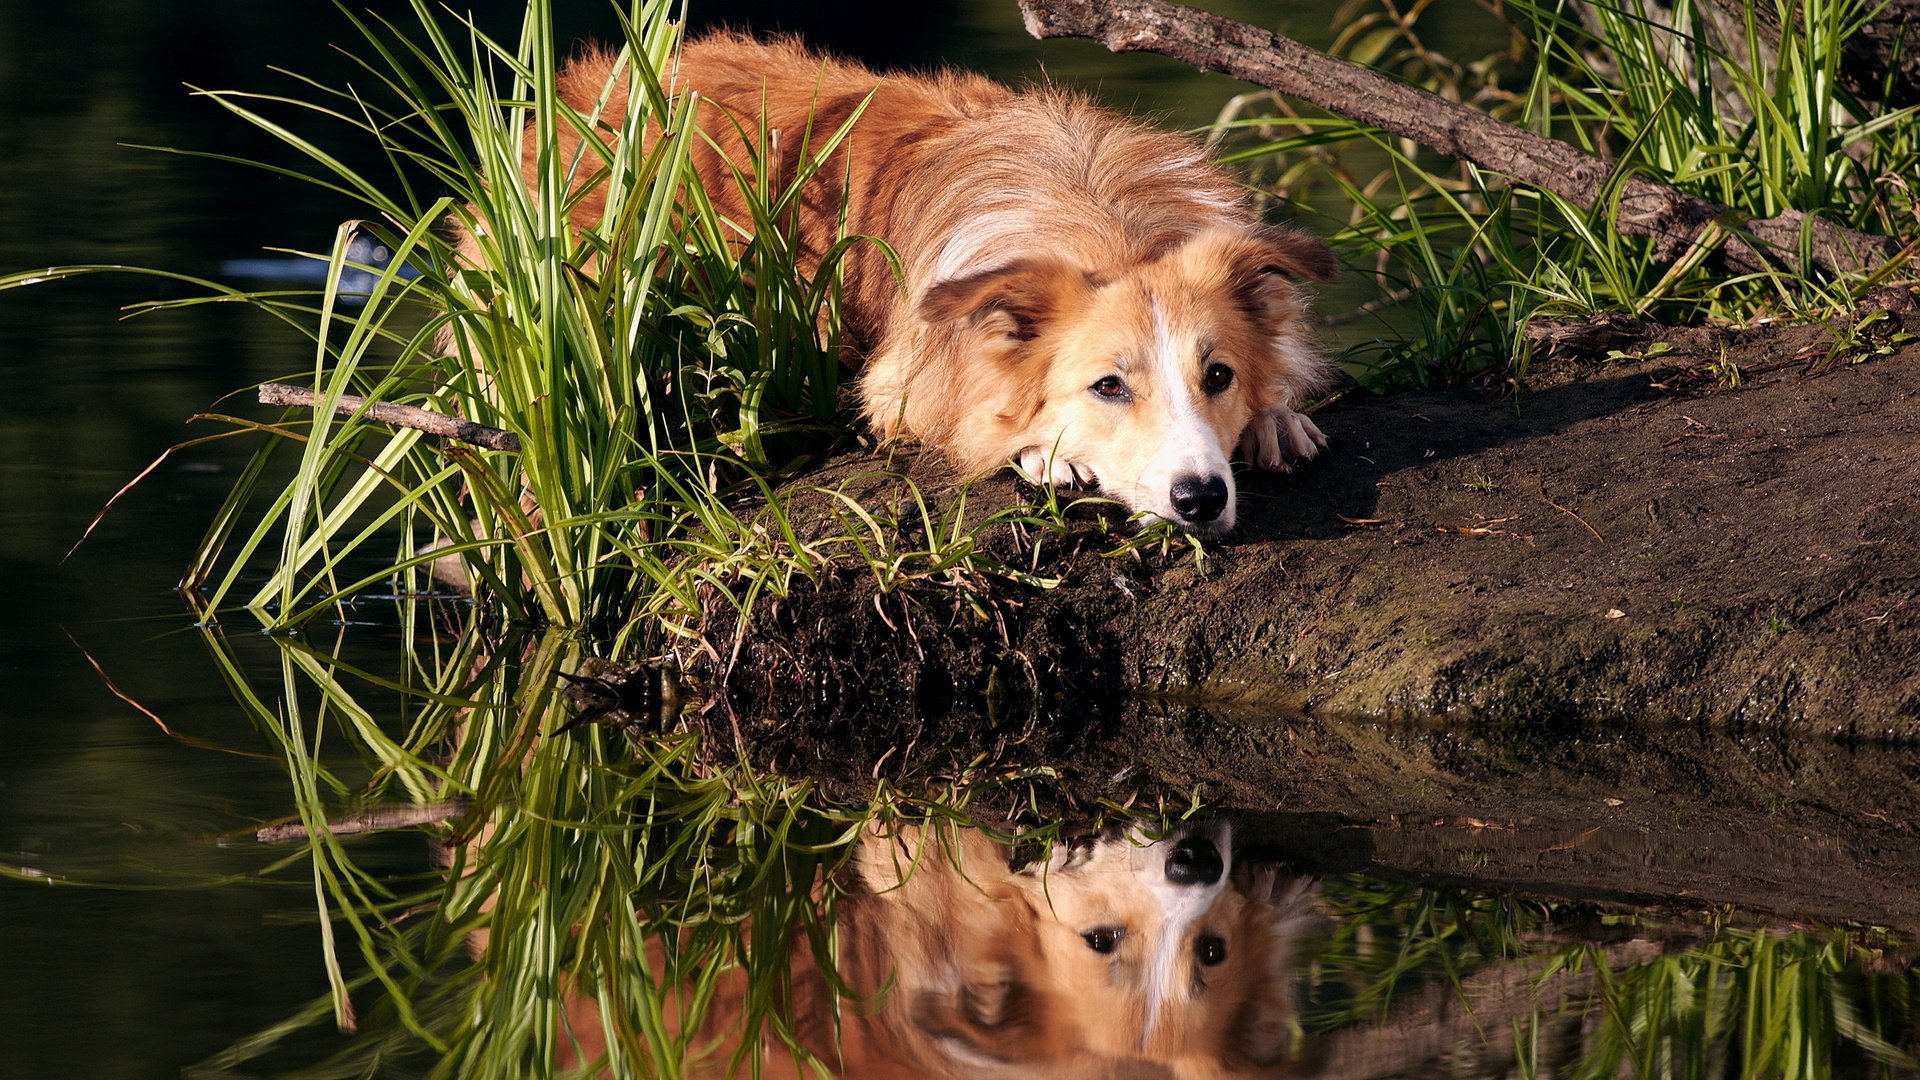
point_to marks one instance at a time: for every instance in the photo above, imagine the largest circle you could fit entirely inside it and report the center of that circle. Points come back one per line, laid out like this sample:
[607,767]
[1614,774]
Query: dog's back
[1081,292]
[957,172]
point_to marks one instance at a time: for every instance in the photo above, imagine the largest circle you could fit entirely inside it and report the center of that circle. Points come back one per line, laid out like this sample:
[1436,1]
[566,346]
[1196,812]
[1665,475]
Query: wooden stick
[406,416]
[374,820]
[1674,219]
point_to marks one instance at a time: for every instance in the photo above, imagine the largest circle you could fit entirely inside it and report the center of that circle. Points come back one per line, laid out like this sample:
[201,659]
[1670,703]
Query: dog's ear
[1282,906]
[993,1014]
[1296,254]
[1263,267]
[1017,299]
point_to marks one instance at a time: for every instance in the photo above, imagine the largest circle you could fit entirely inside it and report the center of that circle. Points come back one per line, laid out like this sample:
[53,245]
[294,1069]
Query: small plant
[1857,340]
[1645,352]
[1724,371]
[1481,483]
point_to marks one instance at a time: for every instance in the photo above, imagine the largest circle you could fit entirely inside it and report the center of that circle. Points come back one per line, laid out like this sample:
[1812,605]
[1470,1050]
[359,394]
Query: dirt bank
[1626,541]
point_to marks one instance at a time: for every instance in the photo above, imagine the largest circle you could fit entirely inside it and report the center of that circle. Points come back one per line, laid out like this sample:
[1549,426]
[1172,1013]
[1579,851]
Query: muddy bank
[1767,827]
[1648,541]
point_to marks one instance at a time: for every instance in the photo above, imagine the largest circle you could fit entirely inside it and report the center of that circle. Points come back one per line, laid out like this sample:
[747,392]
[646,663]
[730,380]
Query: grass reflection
[610,894]
[1413,979]
[634,896]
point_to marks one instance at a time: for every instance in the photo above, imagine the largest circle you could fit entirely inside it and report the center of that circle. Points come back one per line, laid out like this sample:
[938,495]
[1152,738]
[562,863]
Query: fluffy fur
[1084,295]
[1097,963]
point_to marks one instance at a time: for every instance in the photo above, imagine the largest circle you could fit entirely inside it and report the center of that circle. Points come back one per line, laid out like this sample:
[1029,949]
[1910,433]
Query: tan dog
[1085,296]
[1124,958]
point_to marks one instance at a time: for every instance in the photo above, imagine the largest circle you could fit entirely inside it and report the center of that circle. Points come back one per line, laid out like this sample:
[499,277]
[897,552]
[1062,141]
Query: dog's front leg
[1042,466]
[1280,438]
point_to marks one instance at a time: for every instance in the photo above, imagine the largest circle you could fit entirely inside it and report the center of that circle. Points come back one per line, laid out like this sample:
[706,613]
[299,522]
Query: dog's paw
[1280,439]
[1040,466]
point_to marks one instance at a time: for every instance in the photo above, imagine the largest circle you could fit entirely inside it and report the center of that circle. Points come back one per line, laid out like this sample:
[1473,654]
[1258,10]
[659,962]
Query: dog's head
[1168,955]
[1145,375]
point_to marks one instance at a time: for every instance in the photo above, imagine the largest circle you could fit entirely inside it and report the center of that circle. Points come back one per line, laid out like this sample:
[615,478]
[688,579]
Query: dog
[1083,296]
[1125,957]
[1169,954]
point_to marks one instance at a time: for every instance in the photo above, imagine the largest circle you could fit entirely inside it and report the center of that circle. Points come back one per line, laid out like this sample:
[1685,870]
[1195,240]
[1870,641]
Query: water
[190,939]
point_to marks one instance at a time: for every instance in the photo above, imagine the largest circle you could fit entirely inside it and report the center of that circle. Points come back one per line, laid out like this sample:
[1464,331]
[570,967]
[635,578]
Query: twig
[115,690]
[1571,514]
[406,416]
[374,820]
[1675,220]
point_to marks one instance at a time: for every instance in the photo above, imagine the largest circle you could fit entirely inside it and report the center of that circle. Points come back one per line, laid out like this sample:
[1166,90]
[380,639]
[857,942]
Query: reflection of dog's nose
[1194,861]
[1199,499]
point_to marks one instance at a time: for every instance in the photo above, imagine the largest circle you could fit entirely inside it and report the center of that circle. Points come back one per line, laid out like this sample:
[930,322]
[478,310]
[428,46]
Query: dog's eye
[1102,939]
[1219,377]
[1110,387]
[1211,949]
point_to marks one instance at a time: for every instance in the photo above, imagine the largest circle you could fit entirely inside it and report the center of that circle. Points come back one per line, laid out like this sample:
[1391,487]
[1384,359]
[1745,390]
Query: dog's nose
[1194,861]
[1199,499]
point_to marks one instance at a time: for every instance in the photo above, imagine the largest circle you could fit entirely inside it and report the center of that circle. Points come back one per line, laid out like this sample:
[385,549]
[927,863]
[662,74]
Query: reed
[1465,261]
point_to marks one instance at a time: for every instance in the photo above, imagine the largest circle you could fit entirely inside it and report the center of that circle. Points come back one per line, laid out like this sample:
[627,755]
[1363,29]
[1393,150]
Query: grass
[636,865]
[664,368]
[656,365]
[1713,1001]
[1466,261]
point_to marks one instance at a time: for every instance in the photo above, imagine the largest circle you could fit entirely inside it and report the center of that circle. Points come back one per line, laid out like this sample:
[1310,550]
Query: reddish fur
[1023,222]
[958,966]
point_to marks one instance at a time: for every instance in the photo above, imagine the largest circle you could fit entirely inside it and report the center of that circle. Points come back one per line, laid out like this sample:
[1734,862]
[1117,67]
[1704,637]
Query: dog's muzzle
[1198,499]
[1195,860]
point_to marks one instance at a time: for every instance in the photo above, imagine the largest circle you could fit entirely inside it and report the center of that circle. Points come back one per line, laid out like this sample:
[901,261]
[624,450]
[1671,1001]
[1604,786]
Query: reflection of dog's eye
[1212,949]
[1102,939]
[1110,387]
[1219,377]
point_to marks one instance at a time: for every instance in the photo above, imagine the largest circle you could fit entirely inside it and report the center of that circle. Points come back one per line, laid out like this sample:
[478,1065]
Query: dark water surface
[182,948]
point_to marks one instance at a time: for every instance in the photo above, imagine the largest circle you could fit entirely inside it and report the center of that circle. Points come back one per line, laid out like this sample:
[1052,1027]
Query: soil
[1643,633]
[1630,541]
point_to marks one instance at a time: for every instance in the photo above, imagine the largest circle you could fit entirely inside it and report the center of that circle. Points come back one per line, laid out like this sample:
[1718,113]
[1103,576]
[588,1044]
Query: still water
[144,930]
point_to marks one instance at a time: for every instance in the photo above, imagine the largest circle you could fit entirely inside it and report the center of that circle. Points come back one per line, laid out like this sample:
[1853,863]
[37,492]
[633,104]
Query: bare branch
[377,819]
[406,416]
[1674,219]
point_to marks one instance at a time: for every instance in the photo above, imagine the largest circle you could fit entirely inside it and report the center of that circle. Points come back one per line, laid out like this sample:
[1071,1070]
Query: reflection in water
[1123,956]
[631,897]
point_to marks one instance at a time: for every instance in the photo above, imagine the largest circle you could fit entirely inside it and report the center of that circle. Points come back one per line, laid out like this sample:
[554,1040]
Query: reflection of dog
[1084,295]
[1122,958]
[1165,954]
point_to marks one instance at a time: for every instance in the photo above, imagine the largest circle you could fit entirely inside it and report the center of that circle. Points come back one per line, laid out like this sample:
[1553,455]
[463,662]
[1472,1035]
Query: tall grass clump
[607,879]
[659,367]
[1748,112]
[589,878]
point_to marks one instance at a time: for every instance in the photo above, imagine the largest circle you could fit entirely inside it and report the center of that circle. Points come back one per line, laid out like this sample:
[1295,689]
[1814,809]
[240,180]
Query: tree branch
[1674,219]
[376,819]
[406,416]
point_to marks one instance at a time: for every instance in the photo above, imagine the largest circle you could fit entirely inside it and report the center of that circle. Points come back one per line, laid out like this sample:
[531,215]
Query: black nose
[1199,498]
[1194,861]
